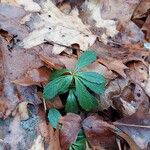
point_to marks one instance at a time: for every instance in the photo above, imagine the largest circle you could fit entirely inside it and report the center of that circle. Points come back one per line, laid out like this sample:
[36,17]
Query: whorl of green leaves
[78,84]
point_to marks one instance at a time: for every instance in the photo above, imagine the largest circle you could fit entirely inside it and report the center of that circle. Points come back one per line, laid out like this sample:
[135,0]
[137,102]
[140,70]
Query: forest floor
[40,36]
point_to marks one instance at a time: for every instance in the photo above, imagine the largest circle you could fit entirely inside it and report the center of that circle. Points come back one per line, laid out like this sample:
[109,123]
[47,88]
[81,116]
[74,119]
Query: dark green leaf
[86,100]
[53,117]
[80,143]
[85,59]
[71,104]
[58,73]
[57,86]
[92,77]
[97,88]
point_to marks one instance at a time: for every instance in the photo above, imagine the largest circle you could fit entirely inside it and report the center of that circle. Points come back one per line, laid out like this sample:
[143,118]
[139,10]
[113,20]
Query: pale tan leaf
[59,28]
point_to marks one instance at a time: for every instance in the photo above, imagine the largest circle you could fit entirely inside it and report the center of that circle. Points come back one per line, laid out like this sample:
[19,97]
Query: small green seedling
[78,84]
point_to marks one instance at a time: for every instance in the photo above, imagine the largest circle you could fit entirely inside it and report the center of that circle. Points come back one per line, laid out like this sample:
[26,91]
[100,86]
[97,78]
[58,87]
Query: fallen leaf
[94,17]
[28,5]
[51,136]
[54,142]
[51,62]
[34,77]
[10,17]
[113,89]
[69,62]
[14,66]
[136,53]
[71,125]
[146,28]
[130,33]
[141,9]
[98,133]
[128,104]
[123,107]
[5,108]
[138,73]
[101,134]
[121,10]
[61,29]
[137,126]
[114,65]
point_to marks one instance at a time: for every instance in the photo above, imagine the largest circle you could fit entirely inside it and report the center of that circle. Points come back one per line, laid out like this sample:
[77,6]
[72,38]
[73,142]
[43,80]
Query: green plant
[78,84]
[80,143]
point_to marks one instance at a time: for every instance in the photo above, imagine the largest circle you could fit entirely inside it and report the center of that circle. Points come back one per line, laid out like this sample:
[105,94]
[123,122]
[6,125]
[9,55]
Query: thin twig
[45,108]
[131,125]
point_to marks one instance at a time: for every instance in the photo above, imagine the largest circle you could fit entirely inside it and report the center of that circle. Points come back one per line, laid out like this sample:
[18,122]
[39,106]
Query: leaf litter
[38,37]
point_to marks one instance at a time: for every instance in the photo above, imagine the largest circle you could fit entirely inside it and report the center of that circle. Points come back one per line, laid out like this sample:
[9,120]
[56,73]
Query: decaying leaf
[51,62]
[114,65]
[123,107]
[146,28]
[98,133]
[121,10]
[71,125]
[5,109]
[130,100]
[141,9]
[10,17]
[54,142]
[28,5]
[61,29]
[137,126]
[51,136]
[34,77]
[130,33]
[101,134]
[92,10]
[138,73]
